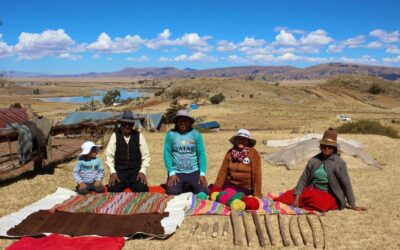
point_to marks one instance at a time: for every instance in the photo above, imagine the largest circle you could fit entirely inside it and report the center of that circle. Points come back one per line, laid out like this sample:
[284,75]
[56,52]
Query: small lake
[98,96]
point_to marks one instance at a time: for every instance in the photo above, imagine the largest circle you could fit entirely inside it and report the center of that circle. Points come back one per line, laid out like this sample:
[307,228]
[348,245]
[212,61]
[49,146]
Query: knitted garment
[239,155]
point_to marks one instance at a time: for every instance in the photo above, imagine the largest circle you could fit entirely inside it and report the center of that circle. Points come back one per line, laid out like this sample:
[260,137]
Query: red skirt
[312,199]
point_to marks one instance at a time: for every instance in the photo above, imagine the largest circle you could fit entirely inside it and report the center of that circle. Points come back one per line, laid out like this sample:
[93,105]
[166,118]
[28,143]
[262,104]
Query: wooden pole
[237,230]
[225,229]
[205,229]
[302,230]
[268,225]
[292,225]
[313,230]
[249,235]
[215,230]
[282,228]
[323,231]
[194,228]
[260,234]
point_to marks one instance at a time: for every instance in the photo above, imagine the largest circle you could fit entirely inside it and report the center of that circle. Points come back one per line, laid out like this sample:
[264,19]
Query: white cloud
[47,43]
[335,48]
[5,50]
[69,56]
[293,31]
[96,56]
[393,50]
[224,46]
[285,38]
[196,57]
[138,59]
[374,45]
[386,37]
[354,42]
[392,59]
[288,57]
[252,42]
[127,44]
[236,59]
[109,59]
[317,37]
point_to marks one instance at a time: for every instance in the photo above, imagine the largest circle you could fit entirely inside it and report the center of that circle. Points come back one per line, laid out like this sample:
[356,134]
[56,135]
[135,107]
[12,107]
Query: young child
[89,170]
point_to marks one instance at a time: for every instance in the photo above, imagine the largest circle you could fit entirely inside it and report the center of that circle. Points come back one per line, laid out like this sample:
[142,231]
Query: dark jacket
[338,178]
[128,158]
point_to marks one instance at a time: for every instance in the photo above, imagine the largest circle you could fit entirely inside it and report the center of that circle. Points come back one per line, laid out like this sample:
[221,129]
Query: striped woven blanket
[116,203]
[267,205]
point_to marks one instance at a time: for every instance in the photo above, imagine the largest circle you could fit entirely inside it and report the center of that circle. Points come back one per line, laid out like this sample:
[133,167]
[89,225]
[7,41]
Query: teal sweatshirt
[184,153]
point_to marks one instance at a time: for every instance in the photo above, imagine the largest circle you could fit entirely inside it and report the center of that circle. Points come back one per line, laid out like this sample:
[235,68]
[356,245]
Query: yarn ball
[215,189]
[237,196]
[238,205]
[219,195]
[214,196]
[202,196]
[230,191]
[251,203]
[224,198]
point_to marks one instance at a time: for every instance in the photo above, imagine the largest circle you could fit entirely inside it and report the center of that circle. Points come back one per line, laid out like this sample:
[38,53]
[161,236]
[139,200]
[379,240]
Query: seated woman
[325,183]
[241,167]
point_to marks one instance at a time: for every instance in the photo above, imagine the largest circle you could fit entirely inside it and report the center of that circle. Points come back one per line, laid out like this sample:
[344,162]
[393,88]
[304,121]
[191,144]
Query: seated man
[128,157]
[185,156]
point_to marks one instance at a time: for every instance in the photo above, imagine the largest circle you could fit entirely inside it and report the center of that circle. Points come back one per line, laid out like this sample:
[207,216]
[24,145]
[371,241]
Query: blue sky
[64,37]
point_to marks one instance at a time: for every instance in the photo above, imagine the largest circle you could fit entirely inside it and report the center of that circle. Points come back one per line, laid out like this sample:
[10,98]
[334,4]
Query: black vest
[128,158]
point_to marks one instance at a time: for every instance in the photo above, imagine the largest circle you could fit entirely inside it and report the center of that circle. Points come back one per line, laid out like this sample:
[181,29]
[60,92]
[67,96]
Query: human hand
[172,180]
[82,185]
[355,208]
[296,201]
[142,178]
[97,183]
[203,181]
[113,178]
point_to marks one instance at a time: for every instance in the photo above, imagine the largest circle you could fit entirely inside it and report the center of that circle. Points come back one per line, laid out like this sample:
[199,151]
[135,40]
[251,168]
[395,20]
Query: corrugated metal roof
[208,125]
[76,117]
[12,115]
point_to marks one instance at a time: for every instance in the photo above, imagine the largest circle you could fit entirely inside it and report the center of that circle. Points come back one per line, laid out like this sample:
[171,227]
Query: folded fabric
[78,224]
[60,242]
[116,203]
[208,207]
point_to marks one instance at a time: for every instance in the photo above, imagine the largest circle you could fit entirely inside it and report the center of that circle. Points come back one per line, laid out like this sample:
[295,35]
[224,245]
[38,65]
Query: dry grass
[271,114]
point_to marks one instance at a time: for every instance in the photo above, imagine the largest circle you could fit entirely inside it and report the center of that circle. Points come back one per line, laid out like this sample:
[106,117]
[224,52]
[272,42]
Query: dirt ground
[269,112]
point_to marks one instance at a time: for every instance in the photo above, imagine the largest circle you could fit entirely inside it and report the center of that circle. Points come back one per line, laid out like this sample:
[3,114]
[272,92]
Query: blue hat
[128,117]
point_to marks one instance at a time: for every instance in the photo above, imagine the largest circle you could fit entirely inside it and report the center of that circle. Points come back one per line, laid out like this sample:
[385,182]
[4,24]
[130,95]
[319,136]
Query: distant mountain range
[269,73]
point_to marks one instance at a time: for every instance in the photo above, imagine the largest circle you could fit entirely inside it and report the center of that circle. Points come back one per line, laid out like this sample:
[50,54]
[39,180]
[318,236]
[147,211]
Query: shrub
[216,99]
[111,97]
[171,111]
[158,93]
[251,96]
[367,127]
[375,89]
[16,105]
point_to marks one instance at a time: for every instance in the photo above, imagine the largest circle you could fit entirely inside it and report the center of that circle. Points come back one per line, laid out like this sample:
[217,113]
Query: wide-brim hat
[329,138]
[183,113]
[243,133]
[128,117]
[88,146]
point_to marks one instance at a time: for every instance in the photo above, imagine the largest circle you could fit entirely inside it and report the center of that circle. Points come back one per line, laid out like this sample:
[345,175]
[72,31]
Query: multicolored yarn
[116,203]
[206,207]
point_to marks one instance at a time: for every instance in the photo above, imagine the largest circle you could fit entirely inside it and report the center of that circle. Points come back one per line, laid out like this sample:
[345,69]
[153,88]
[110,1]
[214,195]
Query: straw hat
[243,133]
[329,137]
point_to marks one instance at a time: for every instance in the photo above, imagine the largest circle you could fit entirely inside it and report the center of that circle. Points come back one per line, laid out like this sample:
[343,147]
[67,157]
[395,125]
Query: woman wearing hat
[325,183]
[185,156]
[128,157]
[241,167]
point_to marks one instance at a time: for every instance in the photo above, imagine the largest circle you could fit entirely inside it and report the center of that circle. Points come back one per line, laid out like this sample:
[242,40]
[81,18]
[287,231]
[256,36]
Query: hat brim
[99,147]
[329,143]
[252,142]
[127,121]
[183,116]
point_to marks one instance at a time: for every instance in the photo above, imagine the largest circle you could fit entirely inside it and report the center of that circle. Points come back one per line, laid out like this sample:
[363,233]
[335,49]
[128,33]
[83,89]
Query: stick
[237,230]
[215,230]
[302,231]
[249,235]
[205,228]
[260,234]
[292,224]
[323,231]
[285,239]
[194,228]
[267,219]
[225,229]
[313,230]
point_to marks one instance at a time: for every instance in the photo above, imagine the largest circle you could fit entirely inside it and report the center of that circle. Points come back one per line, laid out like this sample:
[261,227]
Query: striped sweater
[88,170]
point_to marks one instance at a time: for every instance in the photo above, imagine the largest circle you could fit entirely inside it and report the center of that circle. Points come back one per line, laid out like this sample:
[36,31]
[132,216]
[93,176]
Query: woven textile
[208,207]
[116,203]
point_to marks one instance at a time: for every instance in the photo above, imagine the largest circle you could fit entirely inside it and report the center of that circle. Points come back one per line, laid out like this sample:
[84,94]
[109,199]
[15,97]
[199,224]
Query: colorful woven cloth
[116,203]
[208,207]
[267,205]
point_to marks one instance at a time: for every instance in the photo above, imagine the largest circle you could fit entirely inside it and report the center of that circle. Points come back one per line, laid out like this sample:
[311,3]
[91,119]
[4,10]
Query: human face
[242,142]
[92,153]
[327,150]
[182,124]
[127,128]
